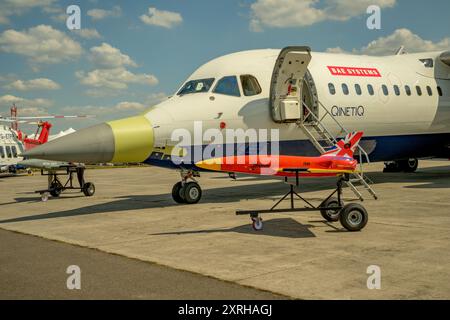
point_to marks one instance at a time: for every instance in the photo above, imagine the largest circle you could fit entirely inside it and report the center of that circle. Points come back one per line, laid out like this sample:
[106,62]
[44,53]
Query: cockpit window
[229,86]
[196,86]
[250,85]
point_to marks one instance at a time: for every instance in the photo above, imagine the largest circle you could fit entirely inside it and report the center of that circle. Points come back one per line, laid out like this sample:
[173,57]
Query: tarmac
[297,255]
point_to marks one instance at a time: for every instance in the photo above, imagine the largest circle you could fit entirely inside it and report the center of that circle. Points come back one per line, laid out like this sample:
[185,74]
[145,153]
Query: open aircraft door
[287,87]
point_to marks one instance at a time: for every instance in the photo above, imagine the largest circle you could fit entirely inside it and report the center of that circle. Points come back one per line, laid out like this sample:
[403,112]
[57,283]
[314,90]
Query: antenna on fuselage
[400,51]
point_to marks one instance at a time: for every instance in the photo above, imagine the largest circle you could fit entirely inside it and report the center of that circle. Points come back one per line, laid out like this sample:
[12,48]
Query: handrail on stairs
[310,113]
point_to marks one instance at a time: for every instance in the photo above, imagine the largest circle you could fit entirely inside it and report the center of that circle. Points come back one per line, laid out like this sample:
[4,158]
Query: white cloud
[121,108]
[107,56]
[8,100]
[116,78]
[129,106]
[34,84]
[40,44]
[98,14]
[295,13]
[87,33]
[411,41]
[10,8]
[336,50]
[155,98]
[400,37]
[162,18]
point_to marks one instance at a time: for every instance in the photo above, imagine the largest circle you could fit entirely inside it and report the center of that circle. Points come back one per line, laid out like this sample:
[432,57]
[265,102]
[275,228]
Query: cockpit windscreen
[196,86]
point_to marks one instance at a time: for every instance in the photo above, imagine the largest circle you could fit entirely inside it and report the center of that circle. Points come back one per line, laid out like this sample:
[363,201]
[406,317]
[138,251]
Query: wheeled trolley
[352,216]
[56,187]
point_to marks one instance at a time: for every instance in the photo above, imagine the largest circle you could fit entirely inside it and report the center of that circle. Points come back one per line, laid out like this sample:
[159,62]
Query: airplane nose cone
[125,140]
[90,145]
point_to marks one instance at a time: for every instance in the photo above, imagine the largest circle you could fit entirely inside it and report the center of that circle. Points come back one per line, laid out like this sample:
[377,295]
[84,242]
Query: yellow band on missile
[133,139]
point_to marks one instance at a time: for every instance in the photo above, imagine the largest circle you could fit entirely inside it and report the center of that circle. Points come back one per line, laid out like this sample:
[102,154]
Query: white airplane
[401,102]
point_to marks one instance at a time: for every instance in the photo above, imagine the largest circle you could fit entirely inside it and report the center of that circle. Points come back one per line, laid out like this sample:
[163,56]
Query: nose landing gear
[407,165]
[187,192]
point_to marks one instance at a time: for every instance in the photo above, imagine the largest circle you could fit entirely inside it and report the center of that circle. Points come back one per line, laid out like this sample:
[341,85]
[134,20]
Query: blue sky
[152,55]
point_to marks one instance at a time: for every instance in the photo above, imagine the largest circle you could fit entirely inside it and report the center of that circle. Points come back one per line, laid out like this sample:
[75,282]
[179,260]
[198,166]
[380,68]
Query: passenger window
[14,151]
[370,89]
[430,92]
[397,90]
[228,86]
[332,89]
[385,90]
[419,90]
[439,91]
[8,152]
[2,152]
[250,85]
[408,90]
[358,89]
[345,89]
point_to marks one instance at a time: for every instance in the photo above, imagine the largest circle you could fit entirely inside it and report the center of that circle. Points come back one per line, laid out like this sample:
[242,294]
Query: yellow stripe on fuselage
[133,139]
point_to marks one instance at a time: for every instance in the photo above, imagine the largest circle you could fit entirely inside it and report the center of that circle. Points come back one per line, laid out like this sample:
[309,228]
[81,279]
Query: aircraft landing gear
[409,165]
[187,192]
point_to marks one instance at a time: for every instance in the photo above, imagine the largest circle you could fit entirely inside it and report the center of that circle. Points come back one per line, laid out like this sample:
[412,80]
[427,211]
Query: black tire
[55,189]
[392,167]
[89,189]
[410,165]
[192,192]
[353,217]
[331,215]
[178,193]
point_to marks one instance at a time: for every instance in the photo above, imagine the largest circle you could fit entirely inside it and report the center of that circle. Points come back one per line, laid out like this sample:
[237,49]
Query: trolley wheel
[89,189]
[257,223]
[178,193]
[331,215]
[192,192]
[55,189]
[354,217]
[44,196]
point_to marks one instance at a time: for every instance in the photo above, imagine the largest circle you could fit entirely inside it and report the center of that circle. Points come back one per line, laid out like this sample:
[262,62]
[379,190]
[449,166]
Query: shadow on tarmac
[435,177]
[280,227]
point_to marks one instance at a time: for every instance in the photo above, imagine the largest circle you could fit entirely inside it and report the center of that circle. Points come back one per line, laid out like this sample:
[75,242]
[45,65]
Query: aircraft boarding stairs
[322,138]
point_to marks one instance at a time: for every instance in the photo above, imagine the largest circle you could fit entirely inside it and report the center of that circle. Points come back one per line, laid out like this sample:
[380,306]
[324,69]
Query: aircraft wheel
[257,224]
[89,189]
[192,192]
[353,217]
[331,215]
[178,193]
[410,165]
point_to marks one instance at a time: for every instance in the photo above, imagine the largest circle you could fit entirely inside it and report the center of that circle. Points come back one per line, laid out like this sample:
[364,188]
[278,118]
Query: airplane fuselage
[399,123]
[402,103]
